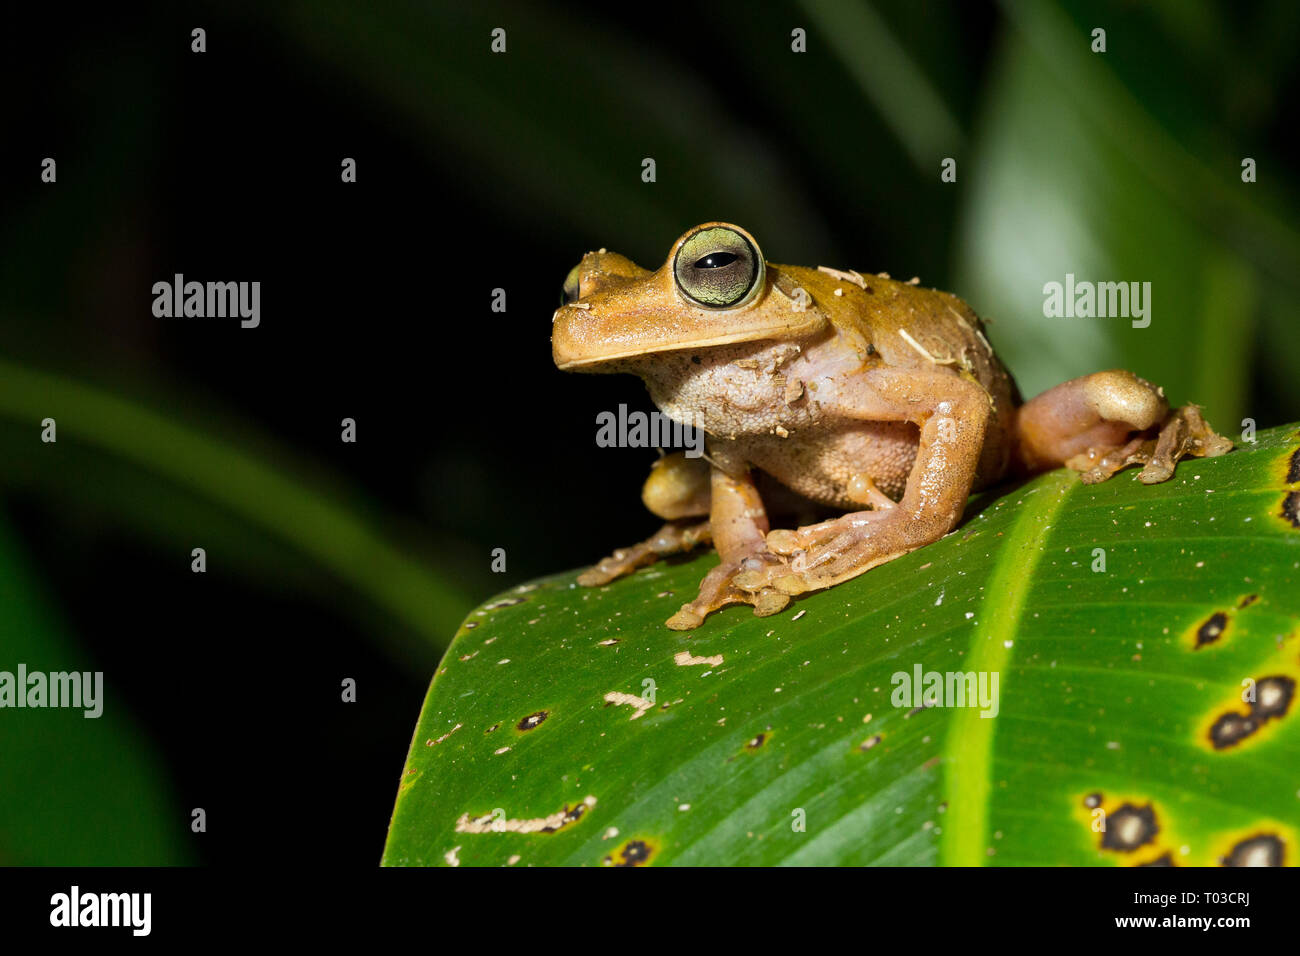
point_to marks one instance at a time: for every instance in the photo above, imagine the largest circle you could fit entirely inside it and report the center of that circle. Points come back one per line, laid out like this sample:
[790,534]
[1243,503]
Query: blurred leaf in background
[1126,166]
[73,790]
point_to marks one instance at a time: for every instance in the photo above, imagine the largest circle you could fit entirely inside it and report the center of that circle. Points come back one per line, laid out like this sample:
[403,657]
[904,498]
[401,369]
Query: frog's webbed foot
[719,589]
[675,537]
[1184,433]
[822,555]
[1104,422]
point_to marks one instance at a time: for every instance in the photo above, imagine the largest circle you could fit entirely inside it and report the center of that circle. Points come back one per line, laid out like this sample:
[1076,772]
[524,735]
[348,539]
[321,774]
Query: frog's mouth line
[773,332]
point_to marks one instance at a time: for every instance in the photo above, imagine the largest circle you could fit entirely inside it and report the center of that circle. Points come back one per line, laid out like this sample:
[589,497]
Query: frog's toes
[769,601]
[1097,465]
[745,581]
[673,538]
[1183,434]
[791,541]
[687,619]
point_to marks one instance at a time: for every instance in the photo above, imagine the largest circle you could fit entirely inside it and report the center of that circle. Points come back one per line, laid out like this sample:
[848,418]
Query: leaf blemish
[434,743]
[1291,509]
[491,823]
[1273,696]
[619,699]
[631,853]
[686,659]
[1212,629]
[1129,828]
[1266,849]
[532,720]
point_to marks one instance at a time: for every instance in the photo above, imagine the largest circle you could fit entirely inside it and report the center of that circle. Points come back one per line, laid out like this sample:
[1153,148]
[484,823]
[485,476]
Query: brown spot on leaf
[1129,827]
[757,742]
[532,720]
[631,853]
[504,602]
[1247,601]
[1092,801]
[1212,629]
[1293,471]
[870,742]
[1231,729]
[1273,696]
[1166,860]
[1266,849]
[1291,508]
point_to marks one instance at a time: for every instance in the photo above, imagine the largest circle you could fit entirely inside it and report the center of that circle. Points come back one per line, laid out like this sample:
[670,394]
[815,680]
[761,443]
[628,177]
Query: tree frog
[879,399]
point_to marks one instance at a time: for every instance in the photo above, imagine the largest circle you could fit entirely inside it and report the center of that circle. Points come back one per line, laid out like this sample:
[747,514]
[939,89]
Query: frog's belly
[819,466]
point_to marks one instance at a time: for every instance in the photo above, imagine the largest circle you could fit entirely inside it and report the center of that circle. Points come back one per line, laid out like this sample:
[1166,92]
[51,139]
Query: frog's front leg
[677,491]
[739,524]
[951,414]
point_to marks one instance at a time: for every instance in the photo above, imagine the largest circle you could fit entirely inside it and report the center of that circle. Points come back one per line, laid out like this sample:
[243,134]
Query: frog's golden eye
[718,268]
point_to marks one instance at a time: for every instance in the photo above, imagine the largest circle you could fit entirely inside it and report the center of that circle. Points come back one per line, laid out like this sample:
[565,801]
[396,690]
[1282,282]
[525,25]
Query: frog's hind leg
[1104,422]
[678,491]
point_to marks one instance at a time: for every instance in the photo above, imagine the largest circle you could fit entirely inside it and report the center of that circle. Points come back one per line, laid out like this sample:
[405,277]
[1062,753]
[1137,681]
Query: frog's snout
[600,271]
[577,335]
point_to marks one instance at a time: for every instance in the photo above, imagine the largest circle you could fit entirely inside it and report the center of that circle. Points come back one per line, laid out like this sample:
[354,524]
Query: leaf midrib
[968,746]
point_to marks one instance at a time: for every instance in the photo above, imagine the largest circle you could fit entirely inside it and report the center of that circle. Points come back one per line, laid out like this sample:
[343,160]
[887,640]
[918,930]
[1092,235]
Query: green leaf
[1103,690]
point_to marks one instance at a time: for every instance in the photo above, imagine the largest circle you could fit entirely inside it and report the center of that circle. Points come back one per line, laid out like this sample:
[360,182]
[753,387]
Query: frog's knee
[678,487]
[1121,396]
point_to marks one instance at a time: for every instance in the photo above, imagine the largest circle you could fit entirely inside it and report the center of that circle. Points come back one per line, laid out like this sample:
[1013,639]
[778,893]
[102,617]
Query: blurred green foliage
[73,791]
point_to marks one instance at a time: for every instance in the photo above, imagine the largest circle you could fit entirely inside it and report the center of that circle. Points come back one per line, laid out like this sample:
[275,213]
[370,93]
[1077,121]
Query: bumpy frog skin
[842,390]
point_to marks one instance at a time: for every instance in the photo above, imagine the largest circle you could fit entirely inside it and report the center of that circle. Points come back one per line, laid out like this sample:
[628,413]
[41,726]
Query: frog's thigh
[952,415]
[1096,411]
[678,487]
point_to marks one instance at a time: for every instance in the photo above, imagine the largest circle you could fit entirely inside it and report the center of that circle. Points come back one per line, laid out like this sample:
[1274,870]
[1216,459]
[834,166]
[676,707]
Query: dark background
[478,171]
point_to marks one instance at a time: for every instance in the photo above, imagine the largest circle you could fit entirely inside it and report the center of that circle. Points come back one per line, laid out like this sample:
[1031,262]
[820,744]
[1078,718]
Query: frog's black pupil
[716,260]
